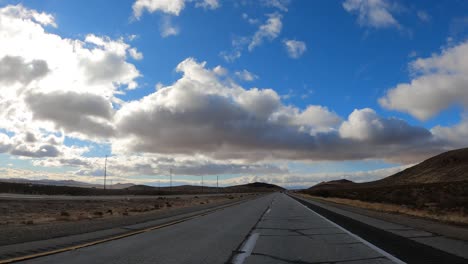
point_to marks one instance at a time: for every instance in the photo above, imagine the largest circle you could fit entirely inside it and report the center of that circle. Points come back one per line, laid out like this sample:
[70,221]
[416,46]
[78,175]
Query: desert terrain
[84,204]
[43,211]
[437,189]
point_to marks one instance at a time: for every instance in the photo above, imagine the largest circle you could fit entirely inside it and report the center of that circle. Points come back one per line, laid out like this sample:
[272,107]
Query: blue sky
[346,56]
[345,67]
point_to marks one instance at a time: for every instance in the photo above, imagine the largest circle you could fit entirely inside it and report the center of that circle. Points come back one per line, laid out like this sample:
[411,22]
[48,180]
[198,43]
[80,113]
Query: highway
[271,229]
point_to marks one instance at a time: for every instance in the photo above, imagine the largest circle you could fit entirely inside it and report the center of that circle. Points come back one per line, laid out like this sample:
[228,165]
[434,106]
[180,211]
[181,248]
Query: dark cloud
[84,113]
[41,152]
[16,69]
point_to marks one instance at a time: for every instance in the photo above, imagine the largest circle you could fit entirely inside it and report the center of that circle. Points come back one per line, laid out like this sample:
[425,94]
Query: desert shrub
[64,213]
[323,193]
[98,213]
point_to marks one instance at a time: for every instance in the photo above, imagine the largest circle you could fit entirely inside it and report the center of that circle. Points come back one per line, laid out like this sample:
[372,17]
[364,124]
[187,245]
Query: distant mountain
[446,167]
[121,185]
[333,184]
[250,187]
[69,183]
[255,187]
[140,187]
[186,189]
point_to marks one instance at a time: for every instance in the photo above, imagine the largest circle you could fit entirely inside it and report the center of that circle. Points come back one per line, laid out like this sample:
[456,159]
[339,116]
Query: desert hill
[438,184]
[250,187]
[255,187]
[451,166]
[34,187]
[446,167]
[333,184]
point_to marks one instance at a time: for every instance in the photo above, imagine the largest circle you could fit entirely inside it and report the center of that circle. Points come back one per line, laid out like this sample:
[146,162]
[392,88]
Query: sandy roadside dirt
[37,212]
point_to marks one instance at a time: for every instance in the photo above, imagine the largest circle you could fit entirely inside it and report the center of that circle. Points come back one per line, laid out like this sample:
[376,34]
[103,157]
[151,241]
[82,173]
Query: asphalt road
[272,229]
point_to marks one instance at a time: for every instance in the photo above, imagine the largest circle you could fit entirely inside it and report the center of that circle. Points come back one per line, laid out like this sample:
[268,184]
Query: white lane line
[365,242]
[249,244]
[246,249]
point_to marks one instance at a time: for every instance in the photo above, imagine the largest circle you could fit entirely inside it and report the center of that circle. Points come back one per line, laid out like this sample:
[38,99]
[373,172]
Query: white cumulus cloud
[281,5]
[167,27]
[202,114]
[170,7]
[267,31]
[51,85]
[372,13]
[245,75]
[295,48]
[439,82]
[366,125]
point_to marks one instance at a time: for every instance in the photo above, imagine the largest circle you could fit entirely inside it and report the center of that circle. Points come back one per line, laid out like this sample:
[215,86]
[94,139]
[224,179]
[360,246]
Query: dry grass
[457,217]
[32,212]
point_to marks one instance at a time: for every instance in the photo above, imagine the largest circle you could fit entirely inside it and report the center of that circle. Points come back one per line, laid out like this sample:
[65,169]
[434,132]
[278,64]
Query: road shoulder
[403,228]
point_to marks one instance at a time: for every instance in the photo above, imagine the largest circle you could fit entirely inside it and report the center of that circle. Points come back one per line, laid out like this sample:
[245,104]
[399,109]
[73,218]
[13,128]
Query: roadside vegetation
[31,212]
[447,202]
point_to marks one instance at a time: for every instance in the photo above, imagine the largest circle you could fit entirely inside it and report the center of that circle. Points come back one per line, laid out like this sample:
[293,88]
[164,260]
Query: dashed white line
[246,249]
[249,244]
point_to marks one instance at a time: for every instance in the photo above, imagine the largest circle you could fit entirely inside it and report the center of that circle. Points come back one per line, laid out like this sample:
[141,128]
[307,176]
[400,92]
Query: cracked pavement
[290,233]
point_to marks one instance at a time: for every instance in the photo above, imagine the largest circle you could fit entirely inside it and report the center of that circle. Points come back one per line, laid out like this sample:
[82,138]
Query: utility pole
[217,185]
[105,172]
[170,170]
[202,183]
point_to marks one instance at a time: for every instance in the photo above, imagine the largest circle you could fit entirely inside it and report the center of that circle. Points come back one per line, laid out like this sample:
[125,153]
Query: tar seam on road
[60,250]
[405,249]
[244,250]
[367,243]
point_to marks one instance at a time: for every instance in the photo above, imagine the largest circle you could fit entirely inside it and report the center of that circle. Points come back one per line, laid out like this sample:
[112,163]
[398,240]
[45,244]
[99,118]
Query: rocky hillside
[446,167]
